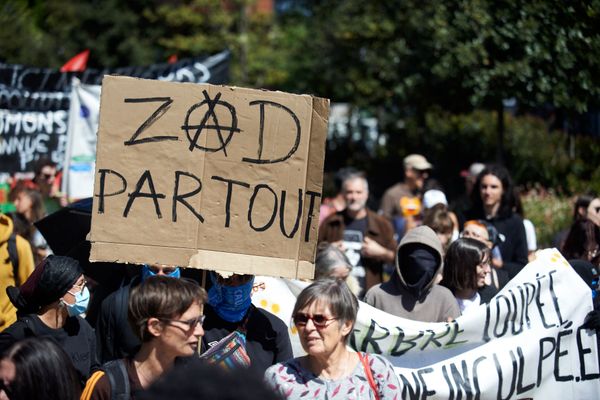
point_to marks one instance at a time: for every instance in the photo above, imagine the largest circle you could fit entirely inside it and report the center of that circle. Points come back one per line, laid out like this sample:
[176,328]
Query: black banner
[34,103]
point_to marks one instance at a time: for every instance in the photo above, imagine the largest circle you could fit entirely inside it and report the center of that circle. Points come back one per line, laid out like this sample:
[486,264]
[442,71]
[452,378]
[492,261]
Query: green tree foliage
[460,54]
[48,33]
[263,47]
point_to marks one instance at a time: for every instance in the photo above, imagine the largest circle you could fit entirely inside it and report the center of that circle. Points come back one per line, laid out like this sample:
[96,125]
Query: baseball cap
[433,197]
[418,162]
[473,171]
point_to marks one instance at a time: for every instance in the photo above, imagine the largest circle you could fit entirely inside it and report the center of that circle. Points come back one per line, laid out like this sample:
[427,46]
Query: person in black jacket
[230,308]
[49,305]
[493,202]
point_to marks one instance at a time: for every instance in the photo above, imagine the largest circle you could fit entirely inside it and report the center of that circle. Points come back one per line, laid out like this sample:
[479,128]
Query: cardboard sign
[208,176]
[526,343]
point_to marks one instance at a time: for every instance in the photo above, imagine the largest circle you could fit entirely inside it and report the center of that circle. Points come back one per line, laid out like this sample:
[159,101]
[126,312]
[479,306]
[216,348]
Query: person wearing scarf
[230,308]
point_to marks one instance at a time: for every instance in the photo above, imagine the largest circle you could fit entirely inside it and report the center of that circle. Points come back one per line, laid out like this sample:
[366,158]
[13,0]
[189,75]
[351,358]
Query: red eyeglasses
[319,320]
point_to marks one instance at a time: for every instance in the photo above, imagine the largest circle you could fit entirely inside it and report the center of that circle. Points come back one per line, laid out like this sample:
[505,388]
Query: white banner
[526,343]
[80,158]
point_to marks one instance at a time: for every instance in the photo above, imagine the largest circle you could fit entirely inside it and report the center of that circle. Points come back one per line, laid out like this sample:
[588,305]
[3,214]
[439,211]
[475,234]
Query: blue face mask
[82,299]
[230,302]
[147,272]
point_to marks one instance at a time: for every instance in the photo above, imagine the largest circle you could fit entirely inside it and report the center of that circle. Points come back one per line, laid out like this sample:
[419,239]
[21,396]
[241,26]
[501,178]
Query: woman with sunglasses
[324,315]
[50,304]
[167,315]
[466,265]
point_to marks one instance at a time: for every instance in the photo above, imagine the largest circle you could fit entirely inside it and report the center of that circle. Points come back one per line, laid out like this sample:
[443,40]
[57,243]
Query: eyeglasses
[319,320]
[191,323]
[80,285]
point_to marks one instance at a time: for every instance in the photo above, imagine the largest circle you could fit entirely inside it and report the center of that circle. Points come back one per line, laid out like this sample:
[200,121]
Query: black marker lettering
[251,207]
[543,356]
[146,176]
[101,195]
[582,352]
[261,131]
[159,112]
[500,377]
[180,198]
[282,214]
[554,298]
[462,380]
[520,387]
[448,382]
[230,183]
[211,103]
[311,208]
[426,392]
[539,303]
[370,339]
[558,354]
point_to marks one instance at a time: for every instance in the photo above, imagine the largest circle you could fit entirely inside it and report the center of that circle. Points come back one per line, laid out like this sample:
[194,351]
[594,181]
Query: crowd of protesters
[418,257]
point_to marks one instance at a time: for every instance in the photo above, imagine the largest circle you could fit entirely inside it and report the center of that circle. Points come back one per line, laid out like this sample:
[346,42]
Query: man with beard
[365,237]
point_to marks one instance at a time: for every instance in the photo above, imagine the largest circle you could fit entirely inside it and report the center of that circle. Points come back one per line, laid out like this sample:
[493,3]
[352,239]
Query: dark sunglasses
[319,320]
[191,323]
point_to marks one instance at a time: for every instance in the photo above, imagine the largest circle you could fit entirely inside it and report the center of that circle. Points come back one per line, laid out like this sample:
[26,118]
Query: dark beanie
[50,280]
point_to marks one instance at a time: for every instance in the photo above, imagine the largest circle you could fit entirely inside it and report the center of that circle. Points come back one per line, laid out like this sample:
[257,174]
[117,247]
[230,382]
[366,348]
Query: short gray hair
[353,176]
[328,257]
[333,293]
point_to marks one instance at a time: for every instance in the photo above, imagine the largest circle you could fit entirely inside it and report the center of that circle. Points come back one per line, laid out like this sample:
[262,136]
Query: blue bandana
[147,273]
[230,302]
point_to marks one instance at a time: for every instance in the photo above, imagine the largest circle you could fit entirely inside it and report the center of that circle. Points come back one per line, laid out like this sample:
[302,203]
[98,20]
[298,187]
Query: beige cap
[418,162]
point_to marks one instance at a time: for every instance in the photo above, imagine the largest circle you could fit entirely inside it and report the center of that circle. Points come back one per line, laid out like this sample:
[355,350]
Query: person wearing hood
[230,309]
[412,292]
[14,249]
[50,304]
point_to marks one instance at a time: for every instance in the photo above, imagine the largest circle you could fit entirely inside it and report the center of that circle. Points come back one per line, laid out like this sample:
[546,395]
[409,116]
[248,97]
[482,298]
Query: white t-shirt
[467,305]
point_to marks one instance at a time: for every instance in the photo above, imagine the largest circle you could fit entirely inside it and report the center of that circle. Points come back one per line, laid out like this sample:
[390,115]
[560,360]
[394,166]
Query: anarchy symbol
[193,132]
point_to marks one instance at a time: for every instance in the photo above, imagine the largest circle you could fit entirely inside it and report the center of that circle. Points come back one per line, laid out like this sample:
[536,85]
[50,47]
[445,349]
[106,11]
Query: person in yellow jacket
[23,256]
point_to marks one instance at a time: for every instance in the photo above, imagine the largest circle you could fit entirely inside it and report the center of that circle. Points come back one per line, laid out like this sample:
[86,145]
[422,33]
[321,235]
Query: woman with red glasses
[167,315]
[324,315]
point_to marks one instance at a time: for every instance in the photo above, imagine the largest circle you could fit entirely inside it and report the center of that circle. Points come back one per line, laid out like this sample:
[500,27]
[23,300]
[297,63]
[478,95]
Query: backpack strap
[119,379]
[90,385]
[13,255]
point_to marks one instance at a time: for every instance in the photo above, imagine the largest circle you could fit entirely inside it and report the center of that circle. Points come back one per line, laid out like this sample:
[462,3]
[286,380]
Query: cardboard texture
[209,177]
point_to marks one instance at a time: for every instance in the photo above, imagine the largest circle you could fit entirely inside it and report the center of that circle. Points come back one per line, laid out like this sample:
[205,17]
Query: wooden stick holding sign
[208,177]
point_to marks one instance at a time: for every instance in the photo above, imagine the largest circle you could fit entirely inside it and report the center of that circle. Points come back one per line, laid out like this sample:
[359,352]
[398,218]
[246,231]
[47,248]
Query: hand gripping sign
[208,176]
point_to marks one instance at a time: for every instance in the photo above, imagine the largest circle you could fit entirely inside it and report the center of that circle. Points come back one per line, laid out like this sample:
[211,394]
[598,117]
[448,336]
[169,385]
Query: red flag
[77,63]
[172,59]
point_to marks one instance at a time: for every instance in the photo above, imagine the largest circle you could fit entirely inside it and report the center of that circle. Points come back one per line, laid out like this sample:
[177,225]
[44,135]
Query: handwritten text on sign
[198,174]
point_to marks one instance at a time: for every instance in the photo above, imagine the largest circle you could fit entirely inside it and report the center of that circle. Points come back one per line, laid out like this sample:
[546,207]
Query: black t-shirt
[76,338]
[354,234]
[267,338]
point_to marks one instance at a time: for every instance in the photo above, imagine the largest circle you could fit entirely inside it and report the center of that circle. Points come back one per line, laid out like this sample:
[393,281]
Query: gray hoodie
[412,292]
